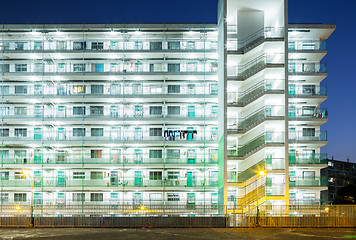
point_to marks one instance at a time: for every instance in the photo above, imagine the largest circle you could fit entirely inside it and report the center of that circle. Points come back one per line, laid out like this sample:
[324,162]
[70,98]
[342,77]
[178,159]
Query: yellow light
[17,208]
[326,209]
[262,173]
[142,207]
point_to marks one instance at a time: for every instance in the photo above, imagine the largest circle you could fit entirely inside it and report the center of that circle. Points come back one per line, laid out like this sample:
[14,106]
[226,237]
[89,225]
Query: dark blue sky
[341,81]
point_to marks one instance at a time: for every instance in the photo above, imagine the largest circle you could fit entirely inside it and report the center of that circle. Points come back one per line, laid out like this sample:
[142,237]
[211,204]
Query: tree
[346,195]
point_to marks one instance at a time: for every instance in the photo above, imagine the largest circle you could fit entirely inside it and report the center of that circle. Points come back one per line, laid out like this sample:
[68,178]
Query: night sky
[341,81]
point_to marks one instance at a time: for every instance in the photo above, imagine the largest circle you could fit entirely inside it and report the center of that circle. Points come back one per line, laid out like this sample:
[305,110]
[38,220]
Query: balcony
[138,181]
[275,138]
[307,113]
[307,136]
[306,68]
[242,125]
[308,182]
[313,159]
[264,87]
[305,91]
[244,71]
[295,46]
[241,46]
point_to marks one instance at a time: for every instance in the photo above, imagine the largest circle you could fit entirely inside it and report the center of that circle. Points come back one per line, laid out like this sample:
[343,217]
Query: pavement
[177,233]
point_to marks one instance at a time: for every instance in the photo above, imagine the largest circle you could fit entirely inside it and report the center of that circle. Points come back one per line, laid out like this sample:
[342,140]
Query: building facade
[339,174]
[165,114]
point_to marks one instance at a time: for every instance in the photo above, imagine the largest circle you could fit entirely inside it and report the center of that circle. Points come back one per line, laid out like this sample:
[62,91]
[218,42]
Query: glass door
[38,111]
[138,134]
[138,112]
[38,156]
[115,155]
[190,134]
[137,89]
[37,179]
[61,134]
[38,133]
[191,200]
[137,156]
[137,199]
[292,112]
[61,179]
[191,155]
[191,111]
[190,179]
[291,89]
[61,111]
[114,111]
[138,179]
[114,179]
[115,133]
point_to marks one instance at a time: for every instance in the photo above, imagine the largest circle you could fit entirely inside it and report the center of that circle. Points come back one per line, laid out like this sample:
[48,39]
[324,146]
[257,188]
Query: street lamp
[27,173]
[261,174]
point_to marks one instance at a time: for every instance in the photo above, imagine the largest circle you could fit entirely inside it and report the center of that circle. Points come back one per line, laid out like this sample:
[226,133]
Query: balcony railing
[254,92]
[255,38]
[139,181]
[265,112]
[307,67]
[307,90]
[308,181]
[254,66]
[306,136]
[307,45]
[310,159]
[307,113]
[265,138]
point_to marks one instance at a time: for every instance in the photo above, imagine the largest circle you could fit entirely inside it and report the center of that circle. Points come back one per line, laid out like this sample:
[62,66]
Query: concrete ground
[177,233]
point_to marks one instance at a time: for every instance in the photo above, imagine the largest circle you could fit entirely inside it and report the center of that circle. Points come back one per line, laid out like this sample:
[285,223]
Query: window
[96,153]
[213,89]
[308,132]
[96,197]
[97,89]
[115,67]
[191,45]
[4,111]
[155,153]
[308,110]
[173,153]
[173,67]
[4,132]
[97,45]
[96,175]
[155,132]
[156,46]
[309,89]
[20,67]
[291,45]
[79,45]
[173,45]
[20,197]
[21,89]
[173,197]
[173,110]
[20,132]
[97,132]
[4,197]
[78,132]
[20,110]
[138,45]
[20,46]
[37,46]
[61,45]
[155,175]
[173,88]
[4,89]
[78,110]
[173,175]
[77,89]
[114,195]
[20,175]
[155,110]
[99,67]
[4,67]
[96,110]
[20,153]
[78,67]
[4,154]
[78,197]
[4,175]
[78,175]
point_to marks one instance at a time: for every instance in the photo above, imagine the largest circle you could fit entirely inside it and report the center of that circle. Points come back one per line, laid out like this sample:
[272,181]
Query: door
[292,112]
[115,155]
[61,134]
[38,156]
[61,111]
[138,112]
[191,200]
[138,179]
[115,133]
[38,111]
[61,156]
[191,111]
[137,199]
[37,179]
[292,134]
[214,199]
[268,112]
[137,89]
[114,179]
[213,179]
[114,111]
[138,156]
[190,134]
[61,179]
[38,89]
[61,199]
[38,133]
[190,179]
[214,133]
[291,89]
[138,134]
[191,156]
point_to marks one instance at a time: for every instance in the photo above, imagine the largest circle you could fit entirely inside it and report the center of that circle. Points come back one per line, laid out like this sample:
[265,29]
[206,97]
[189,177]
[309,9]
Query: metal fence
[178,216]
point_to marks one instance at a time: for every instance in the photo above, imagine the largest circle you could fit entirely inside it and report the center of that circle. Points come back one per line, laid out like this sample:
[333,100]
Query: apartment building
[165,114]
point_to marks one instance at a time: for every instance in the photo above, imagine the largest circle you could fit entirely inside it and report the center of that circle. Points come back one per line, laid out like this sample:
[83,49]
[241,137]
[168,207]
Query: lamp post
[261,174]
[31,200]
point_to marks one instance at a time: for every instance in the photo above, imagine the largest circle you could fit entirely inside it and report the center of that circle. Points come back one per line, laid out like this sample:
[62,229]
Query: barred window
[155,110]
[78,110]
[156,175]
[78,197]
[155,153]
[20,132]
[78,175]
[173,67]
[155,132]
[97,132]
[173,88]
[4,132]
[96,197]
[78,132]
[20,197]
[173,197]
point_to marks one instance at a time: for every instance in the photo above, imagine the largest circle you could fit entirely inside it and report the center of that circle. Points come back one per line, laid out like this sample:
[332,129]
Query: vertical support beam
[286,102]
[222,86]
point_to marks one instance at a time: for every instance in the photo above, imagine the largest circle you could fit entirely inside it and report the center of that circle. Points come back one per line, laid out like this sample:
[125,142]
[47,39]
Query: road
[177,233]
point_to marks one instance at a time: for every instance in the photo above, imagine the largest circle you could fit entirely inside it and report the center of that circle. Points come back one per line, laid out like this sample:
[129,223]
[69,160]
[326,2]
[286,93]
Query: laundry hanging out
[172,135]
